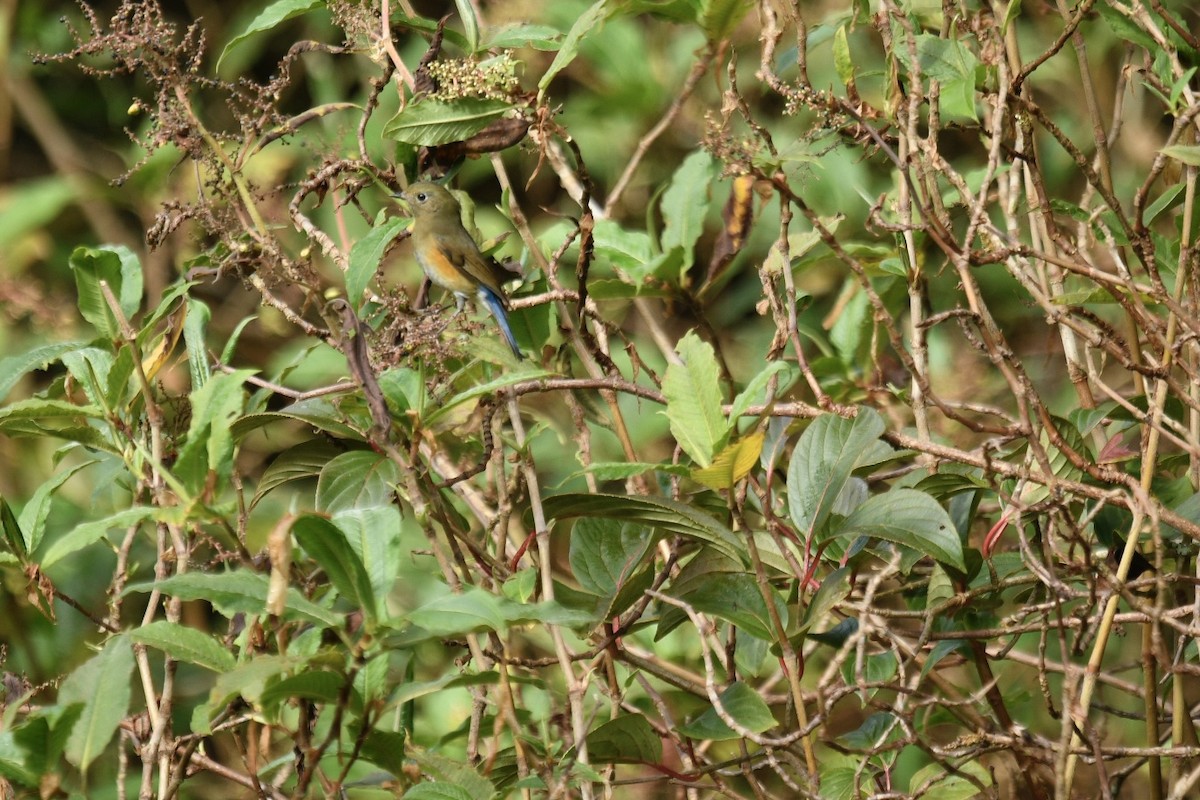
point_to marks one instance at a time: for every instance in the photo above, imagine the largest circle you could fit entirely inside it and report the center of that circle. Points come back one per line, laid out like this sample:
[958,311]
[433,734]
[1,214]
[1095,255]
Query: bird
[450,257]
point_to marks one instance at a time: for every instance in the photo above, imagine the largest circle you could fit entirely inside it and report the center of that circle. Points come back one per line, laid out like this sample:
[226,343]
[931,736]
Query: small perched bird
[450,257]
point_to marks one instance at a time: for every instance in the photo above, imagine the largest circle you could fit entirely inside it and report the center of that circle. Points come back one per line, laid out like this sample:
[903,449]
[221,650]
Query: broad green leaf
[588,20]
[933,779]
[305,460]
[327,545]
[432,122]
[446,770]
[834,589]
[269,18]
[1184,153]
[605,553]
[756,388]
[736,597]
[732,464]
[628,739]
[719,18]
[906,517]
[250,680]
[693,395]
[877,729]
[515,376]
[523,34]
[318,412]
[438,791]
[237,592]
[13,368]
[209,448]
[357,479]
[456,614]
[90,366]
[366,255]
[195,326]
[85,533]
[317,685]
[17,762]
[115,265]
[450,680]
[102,685]
[824,458]
[743,704]
[385,749]
[685,204]
[609,559]
[32,520]
[185,644]
[374,534]
[669,516]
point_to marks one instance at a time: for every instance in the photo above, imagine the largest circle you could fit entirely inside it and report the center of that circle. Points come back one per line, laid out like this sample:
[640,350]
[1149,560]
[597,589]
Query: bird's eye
[422,197]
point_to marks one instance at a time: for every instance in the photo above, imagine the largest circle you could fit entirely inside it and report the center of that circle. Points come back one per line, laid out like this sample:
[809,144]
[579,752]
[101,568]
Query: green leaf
[238,592]
[743,704]
[628,739]
[13,368]
[305,460]
[456,614]
[466,12]
[736,597]
[88,532]
[586,21]
[357,479]
[755,390]
[209,447]
[510,378]
[685,204]
[101,684]
[521,34]
[825,456]
[195,325]
[719,18]
[366,255]
[327,545]
[385,749]
[1125,28]
[374,534]
[907,517]
[269,18]
[319,686]
[1184,153]
[32,521]
[609,559]
[933,779]
[834,589]
[185,644]
[669,516]
[842,60]
[115,265]
[448,770]
[732,464]
[438,791]
[432,122]
[694,400]
[14,537]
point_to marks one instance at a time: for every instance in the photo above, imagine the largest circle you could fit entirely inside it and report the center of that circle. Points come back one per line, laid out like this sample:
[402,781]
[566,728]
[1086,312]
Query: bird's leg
[460,301]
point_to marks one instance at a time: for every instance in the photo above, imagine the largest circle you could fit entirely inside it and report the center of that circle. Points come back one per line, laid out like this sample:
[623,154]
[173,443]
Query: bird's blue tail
[496,306]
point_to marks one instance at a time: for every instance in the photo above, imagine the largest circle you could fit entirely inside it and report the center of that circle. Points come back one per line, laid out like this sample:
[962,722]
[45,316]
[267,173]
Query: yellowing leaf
[732,464]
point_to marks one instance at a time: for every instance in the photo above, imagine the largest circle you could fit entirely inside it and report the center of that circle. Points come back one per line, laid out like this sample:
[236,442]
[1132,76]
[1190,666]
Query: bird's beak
[402,198]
